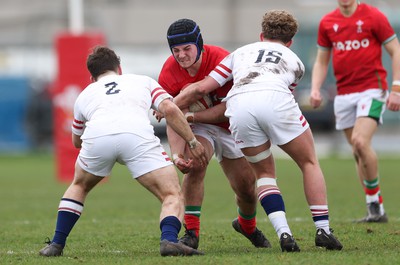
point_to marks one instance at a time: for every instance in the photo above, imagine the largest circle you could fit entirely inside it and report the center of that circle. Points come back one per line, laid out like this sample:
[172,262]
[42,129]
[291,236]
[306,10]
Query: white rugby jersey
[260,66]
[117,104]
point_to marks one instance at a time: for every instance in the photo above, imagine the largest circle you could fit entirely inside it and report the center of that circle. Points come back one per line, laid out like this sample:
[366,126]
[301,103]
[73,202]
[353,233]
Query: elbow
[76,141]
[169,109]
[201,92]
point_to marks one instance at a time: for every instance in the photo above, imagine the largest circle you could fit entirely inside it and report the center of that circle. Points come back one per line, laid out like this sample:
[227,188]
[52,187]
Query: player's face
[185,54]
[346,3]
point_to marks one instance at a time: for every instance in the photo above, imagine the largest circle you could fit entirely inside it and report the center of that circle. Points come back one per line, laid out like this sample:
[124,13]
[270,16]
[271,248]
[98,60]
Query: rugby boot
[330,242]
[168,248]
[257,238]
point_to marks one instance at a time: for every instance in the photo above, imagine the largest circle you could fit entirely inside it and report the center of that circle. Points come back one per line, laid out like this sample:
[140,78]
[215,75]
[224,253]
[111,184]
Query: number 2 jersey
[356,47]
[117,104]
[260,66]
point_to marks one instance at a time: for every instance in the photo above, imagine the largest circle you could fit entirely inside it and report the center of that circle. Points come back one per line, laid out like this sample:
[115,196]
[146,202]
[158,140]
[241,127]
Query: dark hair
[101,60]
[185,31]
[279,25]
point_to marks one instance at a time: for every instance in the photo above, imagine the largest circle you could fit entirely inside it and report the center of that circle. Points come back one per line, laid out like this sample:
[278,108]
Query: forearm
[319,74]
[76,141]
[396,71]
[176,143]
[188,96]
[177,122]
[212,115]
[195,91]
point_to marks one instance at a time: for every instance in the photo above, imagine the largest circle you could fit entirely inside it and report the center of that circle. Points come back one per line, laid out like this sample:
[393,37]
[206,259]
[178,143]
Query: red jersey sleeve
[170,77]
[382,29]
[323,39]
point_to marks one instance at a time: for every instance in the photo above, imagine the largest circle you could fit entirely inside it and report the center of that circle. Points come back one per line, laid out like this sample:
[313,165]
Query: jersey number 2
[112,89]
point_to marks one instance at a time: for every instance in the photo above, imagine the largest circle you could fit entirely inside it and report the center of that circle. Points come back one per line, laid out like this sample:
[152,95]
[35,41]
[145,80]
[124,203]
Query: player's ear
[92,79]
[288,44]
[261,37]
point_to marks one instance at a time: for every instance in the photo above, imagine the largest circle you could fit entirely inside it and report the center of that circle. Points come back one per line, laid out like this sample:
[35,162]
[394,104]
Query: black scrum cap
[185,31]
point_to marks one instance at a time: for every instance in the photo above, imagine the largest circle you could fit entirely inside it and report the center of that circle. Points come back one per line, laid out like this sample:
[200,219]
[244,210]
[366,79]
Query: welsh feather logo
[359,24]
[335,27]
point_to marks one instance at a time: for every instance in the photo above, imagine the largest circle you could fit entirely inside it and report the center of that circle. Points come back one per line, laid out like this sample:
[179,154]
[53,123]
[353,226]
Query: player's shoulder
[332,15]
[370,10]
[214,49]
[88,92]
[248,46]
[289,53]
[131,76]
[90,88]
[170,61]
[169,65]
[130,79]
[367,7]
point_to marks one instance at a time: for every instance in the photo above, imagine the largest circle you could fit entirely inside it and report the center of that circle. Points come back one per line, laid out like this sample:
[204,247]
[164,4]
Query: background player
[353,34]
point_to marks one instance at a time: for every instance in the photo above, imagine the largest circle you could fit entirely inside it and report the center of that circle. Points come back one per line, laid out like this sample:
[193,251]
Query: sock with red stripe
[69,212]
[373,192]
[320,215]
[192,218]
[272,202]
[247,222]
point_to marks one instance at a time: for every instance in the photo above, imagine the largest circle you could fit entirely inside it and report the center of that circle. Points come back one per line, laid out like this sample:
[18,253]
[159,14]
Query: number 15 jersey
[260,66]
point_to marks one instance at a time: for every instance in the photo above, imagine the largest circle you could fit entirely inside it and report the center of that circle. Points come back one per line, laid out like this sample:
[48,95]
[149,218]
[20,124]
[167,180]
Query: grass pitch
[120,225]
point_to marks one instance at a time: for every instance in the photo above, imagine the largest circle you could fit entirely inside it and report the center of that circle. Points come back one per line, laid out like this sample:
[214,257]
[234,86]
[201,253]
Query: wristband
[193,143]
[189,117]
[396,86]
[176,156]
[396,83]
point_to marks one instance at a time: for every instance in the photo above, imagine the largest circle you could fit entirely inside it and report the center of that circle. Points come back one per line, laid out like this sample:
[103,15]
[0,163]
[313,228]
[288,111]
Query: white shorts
[370,103]
[258,116]
[98,155]
[220,139]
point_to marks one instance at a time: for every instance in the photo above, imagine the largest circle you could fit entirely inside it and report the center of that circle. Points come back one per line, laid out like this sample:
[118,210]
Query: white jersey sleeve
[223,71]
[158,94]
[78,123]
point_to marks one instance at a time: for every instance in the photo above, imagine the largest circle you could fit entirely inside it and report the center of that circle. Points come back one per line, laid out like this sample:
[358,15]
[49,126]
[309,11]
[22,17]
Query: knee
[247,193]
[246,197]
[359,144]
[171,196]
[81,187]
[244,190]
[196,174]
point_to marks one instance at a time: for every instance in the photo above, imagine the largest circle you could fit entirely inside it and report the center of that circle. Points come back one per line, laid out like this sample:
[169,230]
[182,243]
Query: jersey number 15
[270,57]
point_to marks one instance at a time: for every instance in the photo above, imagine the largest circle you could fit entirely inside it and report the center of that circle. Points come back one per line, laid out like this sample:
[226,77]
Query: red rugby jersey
[356,47]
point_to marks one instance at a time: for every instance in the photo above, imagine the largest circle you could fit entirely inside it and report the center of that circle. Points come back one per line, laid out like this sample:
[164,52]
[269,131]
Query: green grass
[120,220]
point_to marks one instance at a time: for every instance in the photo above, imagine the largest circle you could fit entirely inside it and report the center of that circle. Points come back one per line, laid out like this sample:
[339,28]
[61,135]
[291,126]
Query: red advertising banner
[72,51]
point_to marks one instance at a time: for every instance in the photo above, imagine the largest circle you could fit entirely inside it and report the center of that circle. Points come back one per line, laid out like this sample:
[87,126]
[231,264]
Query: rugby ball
[201,104]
